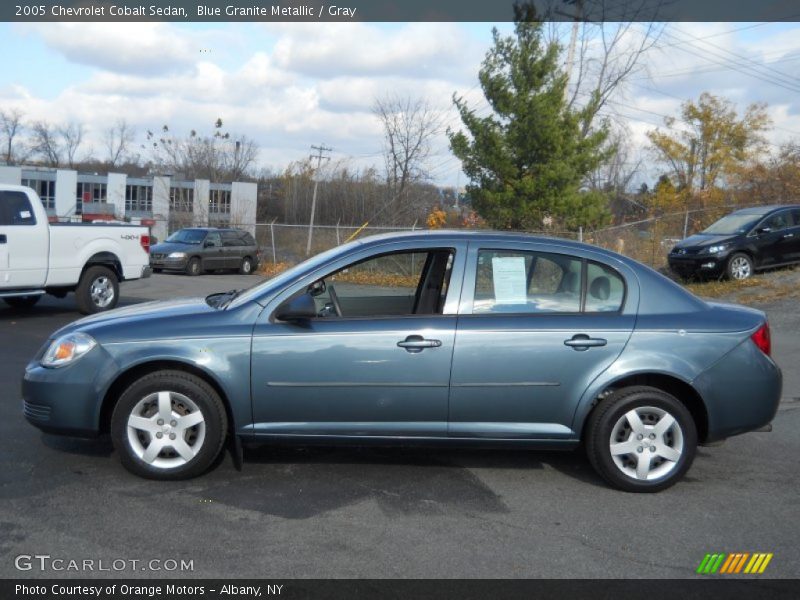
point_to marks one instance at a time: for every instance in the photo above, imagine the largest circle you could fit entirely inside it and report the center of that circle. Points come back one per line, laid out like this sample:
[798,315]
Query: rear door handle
[581,342]
[3,239]
[788,235]
[417,343]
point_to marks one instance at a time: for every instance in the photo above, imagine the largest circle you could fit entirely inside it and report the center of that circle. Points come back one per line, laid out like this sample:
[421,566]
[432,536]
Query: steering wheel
[335,300]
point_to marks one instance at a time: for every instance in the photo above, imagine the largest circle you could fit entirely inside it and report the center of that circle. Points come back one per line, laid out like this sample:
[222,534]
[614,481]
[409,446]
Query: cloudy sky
[292,85]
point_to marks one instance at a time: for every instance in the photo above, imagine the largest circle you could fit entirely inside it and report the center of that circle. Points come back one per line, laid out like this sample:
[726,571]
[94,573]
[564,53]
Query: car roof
[764,210]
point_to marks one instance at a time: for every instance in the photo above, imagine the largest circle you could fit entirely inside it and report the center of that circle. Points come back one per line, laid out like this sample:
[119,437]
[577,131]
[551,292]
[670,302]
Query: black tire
[247,266]
[602,428]
[194,267]
[22,302]
[90,301]
[178,383]
[739,267]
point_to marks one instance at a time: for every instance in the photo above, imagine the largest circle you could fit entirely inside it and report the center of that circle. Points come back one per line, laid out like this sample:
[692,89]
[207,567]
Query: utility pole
[576,18]
[321,150]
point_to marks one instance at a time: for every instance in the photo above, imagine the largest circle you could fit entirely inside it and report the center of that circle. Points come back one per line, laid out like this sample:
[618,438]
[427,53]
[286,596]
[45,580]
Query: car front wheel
[169,425]
[641,439]
[194,267]
[740,266]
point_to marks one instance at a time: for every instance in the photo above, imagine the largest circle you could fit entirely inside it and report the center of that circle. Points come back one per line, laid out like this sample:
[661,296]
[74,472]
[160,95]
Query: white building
[163,203]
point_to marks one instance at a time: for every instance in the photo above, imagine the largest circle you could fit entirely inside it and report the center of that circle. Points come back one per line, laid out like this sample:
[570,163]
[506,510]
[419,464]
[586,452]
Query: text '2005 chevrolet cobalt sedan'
[461,338]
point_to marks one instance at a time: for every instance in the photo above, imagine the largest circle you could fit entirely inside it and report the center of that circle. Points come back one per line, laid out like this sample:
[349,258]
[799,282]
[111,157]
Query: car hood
[166,310]
[702,240]
[167,247]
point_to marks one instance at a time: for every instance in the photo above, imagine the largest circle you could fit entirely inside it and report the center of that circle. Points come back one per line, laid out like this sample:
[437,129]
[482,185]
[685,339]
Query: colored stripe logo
[735,563]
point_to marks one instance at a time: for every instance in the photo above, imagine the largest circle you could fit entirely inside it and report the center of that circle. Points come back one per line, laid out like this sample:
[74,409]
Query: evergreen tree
[528,159]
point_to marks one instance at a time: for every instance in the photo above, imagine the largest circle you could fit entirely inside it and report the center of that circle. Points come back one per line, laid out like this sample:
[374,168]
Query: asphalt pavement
[355,512]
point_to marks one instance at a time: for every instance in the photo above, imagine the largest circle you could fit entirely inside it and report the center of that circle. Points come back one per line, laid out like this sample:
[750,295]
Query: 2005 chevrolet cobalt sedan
[449,337]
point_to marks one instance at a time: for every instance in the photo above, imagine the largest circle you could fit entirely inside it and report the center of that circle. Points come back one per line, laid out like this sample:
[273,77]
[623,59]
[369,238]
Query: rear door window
[231,239]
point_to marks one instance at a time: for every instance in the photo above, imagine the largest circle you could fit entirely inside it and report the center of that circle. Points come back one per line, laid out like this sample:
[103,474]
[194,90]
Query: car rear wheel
[740,267]
[22,301]
[247,266]
[194,267]
[169,425]
[97,291]
[641,439]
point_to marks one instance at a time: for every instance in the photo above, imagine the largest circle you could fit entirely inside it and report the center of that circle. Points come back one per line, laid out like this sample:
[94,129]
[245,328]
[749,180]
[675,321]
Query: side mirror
[299,308]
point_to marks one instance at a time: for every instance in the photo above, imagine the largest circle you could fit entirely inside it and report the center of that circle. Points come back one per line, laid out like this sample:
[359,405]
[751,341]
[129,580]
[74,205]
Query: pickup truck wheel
[194,267]
[97,291]
[247,266]
[641,439]
[22,301]
[169,425]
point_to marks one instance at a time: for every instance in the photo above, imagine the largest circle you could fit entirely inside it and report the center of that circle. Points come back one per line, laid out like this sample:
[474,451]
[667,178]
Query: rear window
[16,209]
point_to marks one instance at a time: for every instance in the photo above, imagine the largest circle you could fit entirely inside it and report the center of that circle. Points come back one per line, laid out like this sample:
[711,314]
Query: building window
[138,198]
[181,199]
[45,189]
[219,202]
[89,192]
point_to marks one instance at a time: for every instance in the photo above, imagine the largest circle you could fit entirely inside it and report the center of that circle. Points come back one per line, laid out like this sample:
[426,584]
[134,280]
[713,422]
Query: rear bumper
[741,392]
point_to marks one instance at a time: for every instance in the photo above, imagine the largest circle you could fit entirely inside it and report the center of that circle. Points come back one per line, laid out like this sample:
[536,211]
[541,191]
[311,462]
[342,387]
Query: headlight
[177,255]
[67,349]
[717,249]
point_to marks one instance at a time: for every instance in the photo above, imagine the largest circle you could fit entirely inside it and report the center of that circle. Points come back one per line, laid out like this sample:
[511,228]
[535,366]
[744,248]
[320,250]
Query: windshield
[733,224]
[188,236]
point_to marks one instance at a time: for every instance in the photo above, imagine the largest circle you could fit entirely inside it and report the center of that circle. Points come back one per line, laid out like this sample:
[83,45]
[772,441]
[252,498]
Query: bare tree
[46,144]
[72,137]
[118,139]
[217,157]
[10,127]
[409,125]
[608,40]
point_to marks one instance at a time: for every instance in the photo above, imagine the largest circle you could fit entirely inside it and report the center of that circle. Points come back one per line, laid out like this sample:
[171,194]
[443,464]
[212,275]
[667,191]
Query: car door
[24,243]
[382,367]
[213,251]
[232,249]
[537,324]
[774,239]
[792,238]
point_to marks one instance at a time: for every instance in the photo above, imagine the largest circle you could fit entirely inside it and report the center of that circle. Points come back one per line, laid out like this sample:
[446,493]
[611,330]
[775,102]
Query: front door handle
[417,343]
[581,342]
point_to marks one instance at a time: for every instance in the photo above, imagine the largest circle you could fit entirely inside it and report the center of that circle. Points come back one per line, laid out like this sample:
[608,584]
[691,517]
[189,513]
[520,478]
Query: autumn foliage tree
[708,144]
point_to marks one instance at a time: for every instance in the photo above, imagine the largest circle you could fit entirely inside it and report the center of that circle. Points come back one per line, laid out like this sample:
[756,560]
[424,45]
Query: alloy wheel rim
[102,291]
[740,268]
[166,429]
[246,266]
[646,443]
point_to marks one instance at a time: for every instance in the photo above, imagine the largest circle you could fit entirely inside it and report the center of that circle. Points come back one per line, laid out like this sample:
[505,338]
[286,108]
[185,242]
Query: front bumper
[68,400]
[169,264]
[698,264]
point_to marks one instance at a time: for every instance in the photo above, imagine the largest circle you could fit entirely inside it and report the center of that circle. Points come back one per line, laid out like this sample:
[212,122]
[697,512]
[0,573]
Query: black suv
[199,249]
[741,243]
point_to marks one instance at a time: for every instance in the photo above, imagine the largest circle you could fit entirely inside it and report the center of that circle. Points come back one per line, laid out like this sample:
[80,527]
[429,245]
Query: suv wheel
[740,267]
[247,266]
[97,291]
[641,439]
[169,425]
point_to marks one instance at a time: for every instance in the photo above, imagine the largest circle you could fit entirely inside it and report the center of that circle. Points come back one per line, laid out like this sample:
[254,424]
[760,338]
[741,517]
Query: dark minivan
[196,250]
[740,243]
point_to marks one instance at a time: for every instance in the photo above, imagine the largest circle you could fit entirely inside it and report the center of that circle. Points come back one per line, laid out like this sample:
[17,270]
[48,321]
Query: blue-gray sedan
[457,338]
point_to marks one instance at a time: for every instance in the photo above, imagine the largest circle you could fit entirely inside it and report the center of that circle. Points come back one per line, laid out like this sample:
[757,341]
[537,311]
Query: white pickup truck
[38,258]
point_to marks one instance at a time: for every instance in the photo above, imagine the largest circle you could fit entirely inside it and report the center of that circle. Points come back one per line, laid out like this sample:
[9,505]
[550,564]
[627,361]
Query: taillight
[761,339]
[144,240]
